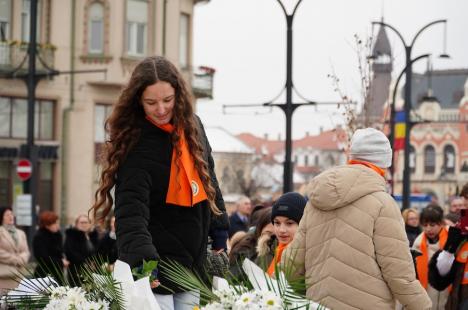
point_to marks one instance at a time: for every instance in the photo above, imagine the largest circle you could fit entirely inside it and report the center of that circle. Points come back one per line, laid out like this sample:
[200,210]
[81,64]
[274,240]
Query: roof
[222,141]
[382,44]
[327,140]
[447,87]
[261,145]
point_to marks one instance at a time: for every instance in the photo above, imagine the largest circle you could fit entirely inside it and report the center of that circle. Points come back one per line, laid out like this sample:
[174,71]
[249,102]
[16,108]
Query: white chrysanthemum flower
[58,292]
[270,300]
[215,306]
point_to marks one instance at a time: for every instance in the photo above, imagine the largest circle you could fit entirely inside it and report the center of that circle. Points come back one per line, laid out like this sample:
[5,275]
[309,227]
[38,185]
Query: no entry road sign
[24,169]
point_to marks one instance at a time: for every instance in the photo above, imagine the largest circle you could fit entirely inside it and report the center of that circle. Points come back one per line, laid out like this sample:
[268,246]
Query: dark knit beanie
[290,205]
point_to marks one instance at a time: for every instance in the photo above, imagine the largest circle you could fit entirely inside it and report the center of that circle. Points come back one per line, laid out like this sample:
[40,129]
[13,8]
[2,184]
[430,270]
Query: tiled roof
[262,145]
[447,86]
[327,140]
[222,141]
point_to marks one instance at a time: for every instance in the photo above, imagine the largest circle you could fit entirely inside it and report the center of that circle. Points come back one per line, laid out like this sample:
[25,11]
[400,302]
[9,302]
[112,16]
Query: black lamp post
[407,105]
[30,185]
[288,108]
[393,112]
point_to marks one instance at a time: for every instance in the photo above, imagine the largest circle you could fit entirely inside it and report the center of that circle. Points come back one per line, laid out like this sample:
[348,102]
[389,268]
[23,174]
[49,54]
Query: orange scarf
[422,261]
[369,165]
[462,257]
[185,186]
[277,259]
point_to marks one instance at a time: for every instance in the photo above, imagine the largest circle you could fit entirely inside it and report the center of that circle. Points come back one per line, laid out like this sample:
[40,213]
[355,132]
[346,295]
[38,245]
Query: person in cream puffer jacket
[351,244]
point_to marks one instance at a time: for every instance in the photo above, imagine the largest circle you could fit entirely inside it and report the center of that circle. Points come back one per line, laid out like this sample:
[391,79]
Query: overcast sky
[245,41]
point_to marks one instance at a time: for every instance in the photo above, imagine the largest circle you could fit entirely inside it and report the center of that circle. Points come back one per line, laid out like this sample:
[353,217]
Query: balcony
[202,82]
[14,60]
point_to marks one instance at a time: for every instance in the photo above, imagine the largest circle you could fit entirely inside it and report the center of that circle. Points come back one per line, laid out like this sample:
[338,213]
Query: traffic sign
[24,169]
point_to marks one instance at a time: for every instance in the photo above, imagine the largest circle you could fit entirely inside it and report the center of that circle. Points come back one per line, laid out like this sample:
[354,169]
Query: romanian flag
[400,130]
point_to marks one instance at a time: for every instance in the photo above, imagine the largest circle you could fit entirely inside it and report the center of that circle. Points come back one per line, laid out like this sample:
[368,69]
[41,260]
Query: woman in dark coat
[78,248]
[107,248]
[48,248]
[412,228]
[167,197]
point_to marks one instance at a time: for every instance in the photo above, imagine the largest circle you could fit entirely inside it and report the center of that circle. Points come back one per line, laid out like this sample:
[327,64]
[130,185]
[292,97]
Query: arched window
[429,159]
[137,19]
[96,28]
[412,159]
[449,159]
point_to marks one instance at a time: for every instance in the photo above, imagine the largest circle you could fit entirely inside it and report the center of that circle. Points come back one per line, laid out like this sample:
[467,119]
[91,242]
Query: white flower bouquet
[101,290]
[259,291]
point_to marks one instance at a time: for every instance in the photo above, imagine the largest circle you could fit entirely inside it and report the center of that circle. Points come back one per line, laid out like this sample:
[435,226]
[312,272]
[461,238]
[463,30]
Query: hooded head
[372,146]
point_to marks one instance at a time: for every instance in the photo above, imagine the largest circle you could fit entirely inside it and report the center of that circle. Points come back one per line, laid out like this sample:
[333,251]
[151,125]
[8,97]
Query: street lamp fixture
[407,103]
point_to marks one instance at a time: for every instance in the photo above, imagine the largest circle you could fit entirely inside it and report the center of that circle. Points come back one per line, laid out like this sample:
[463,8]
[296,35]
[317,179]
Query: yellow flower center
[270,302]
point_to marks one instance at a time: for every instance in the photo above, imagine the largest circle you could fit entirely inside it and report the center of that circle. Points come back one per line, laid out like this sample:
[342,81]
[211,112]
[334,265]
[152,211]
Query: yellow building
[70,110]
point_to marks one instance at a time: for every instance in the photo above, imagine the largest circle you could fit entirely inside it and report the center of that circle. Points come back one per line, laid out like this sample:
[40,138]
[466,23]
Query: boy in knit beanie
[286,214]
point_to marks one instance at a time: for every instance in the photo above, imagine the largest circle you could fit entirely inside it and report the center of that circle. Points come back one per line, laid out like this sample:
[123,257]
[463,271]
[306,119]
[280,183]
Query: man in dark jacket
[239,221]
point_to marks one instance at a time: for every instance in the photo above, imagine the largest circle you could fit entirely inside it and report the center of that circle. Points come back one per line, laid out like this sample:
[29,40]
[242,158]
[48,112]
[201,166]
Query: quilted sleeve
[394,258]
[132,216]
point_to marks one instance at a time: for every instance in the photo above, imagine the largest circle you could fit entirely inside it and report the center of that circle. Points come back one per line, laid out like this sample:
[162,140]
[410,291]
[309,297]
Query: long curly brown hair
[123,130]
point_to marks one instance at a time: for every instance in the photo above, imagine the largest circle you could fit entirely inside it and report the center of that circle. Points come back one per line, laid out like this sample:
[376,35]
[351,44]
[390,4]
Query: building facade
[439,140]
[70,110]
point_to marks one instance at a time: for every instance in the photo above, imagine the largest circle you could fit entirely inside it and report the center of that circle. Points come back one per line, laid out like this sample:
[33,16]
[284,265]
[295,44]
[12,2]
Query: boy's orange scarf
[185,186]
[367,164]
[277,259]
[422,261]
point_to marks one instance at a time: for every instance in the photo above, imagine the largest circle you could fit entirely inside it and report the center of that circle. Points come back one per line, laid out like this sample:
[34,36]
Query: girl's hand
[155,283]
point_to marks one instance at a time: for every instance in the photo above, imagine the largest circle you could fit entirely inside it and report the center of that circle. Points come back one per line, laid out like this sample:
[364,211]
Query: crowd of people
[58,254]
[344,237]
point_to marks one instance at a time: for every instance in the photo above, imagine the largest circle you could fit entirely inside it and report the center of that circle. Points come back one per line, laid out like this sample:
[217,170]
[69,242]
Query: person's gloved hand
[454,239]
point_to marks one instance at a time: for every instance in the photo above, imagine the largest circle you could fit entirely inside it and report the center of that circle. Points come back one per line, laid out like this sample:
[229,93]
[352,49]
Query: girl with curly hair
[158,160]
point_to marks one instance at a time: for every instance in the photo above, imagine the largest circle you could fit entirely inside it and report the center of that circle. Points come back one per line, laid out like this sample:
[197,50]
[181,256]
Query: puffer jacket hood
[336,188]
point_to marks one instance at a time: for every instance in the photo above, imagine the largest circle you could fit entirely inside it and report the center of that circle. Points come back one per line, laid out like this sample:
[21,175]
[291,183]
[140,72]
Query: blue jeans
[178,301]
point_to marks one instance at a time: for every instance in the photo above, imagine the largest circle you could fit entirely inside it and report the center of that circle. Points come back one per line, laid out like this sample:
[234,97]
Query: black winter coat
[107,249]
[48,252]
[77,250]
[458,298]
[412,233]
[236,224]
[146,227]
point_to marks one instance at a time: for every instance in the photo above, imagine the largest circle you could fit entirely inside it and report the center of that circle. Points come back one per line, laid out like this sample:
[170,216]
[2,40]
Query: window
[9,182]
[449,159]
[19,119]
[429,159]
[5,117]
[137,17]
[184,37]
[26,18]
[96,28]
[412,159]
[5,19]
[5,192]
[306,160]
[101,113]
[14,118]
[45,186]
[316,160]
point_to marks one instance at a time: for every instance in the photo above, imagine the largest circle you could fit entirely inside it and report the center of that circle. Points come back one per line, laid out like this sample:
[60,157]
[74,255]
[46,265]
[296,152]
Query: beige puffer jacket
[351,244]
